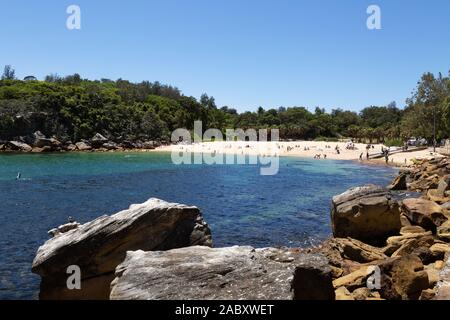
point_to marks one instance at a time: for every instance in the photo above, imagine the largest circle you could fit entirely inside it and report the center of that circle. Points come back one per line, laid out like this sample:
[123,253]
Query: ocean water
[241,206]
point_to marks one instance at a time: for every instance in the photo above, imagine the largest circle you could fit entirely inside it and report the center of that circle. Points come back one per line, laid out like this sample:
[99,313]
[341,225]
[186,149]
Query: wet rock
[368,213]
[97,247]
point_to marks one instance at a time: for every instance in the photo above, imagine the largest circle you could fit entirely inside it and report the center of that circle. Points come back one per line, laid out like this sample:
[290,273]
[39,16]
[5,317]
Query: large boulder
[195,273]
[40,141]
[424,213]
[97,247]
[83,146]
[98,140]
[17,146]
[403,278]
[368,213]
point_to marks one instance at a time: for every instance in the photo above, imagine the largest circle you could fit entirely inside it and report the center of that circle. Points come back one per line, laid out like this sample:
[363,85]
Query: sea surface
[242,207]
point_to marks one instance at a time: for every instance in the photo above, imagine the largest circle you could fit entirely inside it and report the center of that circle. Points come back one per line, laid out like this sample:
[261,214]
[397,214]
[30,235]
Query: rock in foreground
[97,247]
[195,273]
[368,213]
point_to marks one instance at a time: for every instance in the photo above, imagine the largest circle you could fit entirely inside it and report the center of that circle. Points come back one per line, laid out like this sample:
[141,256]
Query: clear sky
[245,53]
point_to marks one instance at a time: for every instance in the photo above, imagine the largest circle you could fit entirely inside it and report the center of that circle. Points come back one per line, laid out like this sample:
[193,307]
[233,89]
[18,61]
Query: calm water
[241,206]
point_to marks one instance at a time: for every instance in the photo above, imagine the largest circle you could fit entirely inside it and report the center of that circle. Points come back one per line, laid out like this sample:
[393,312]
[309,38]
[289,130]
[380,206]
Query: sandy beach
[309,149]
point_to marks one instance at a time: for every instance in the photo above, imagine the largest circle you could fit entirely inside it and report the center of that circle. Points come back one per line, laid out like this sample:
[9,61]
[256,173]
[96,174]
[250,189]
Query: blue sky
[245,53]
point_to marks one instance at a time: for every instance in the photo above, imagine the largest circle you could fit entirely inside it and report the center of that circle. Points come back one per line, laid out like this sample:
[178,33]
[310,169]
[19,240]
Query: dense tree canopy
[73,108]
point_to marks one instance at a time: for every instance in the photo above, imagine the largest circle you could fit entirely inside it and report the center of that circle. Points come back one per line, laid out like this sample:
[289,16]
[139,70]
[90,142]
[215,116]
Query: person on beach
[360,156]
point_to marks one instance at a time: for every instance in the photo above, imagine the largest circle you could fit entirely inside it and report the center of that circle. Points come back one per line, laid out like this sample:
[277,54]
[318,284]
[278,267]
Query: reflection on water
[241,206]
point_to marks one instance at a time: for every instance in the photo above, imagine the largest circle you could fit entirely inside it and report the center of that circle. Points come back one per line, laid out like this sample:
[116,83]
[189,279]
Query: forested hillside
[73,108]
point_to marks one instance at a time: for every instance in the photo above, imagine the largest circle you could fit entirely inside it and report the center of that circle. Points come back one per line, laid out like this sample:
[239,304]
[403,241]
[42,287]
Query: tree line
[73,108]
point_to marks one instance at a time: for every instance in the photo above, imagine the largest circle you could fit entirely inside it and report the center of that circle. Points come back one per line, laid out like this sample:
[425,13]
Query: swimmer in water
[19,175]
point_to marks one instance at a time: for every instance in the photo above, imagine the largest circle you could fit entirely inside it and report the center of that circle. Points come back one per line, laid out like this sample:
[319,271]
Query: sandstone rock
[404,221]
[40,141]
[424,213]
[97,247]
[312,279]
[83,146]
[439,250]
[433,276]
[17,146]
[427,294]
[399,182]
[403,278]
[353,280]
[194,273]
[411,229]
[71,147]
[356,250]
[63,229]
[149,145]
[419,247]
[444,185]
[399,240]
[367,213]
[364,294]
[98,140]
[110,146]
[343,294]
[434,195]
[439,264]
[443,231]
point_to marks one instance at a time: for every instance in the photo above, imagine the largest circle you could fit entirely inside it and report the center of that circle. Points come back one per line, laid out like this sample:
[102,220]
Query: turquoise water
[241,206]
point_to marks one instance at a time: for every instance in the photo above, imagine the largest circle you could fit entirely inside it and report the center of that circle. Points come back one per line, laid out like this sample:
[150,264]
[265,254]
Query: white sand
[297,148]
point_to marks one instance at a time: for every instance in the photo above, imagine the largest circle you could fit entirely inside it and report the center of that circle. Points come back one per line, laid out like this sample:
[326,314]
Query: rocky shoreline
[38,143]
[384,247]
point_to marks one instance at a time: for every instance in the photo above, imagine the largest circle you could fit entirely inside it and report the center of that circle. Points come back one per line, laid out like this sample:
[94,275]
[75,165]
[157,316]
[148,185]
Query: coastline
[299,148]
